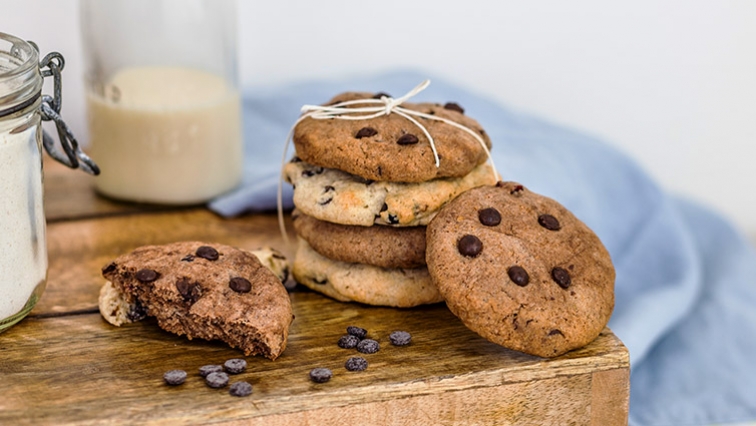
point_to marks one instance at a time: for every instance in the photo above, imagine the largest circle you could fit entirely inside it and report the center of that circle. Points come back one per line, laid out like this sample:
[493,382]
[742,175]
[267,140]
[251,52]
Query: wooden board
[65,365]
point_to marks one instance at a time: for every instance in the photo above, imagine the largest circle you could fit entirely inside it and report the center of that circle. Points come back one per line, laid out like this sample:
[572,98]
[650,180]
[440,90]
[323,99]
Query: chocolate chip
[326,202]
[110,267]
[320,375]
[240,285]
[518,275]
[356,363]
[561,277]
[407,139]
[216,380]
[328,188]
[146,275]
[188,258]
[469,246]
[549,222]
[136,311]
[517,190]
[384,207]
[366,132]
[453,106]
[184,287]
[212,368]
[174,377]
[400,338]
[207,252]
[380,95]
[555,332]
[489,216]
[358,332]
[240,389]
[392,219]
[235,365]
[368,346]
[313,172]
[348,341]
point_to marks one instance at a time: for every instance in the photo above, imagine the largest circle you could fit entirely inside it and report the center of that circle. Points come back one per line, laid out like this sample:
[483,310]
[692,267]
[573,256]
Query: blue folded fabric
[686,281]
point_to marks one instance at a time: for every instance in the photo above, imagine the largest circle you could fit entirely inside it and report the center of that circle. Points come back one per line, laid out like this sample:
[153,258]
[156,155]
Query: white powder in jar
[23,252]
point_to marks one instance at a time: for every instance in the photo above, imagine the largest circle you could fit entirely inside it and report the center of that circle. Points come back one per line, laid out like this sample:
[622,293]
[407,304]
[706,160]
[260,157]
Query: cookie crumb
[235,366]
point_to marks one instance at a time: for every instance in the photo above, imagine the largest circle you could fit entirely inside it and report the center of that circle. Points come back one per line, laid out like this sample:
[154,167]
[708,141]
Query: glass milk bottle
[23,249]
[163,103]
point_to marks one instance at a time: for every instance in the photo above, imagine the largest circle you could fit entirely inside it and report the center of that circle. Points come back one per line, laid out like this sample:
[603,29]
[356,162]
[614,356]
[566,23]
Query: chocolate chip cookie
[384,246]
[335,196]
[207,291]
[521,270]
[362,283]
[390,147]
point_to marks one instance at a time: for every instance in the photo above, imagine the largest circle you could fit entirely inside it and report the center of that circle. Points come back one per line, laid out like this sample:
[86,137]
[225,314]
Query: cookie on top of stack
[365,188]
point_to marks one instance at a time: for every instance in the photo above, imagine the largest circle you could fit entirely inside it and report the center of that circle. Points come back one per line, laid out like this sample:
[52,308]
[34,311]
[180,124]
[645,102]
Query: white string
[386,105]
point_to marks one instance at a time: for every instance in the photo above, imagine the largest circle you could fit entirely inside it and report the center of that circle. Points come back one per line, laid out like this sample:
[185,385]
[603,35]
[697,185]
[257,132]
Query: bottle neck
[20,77]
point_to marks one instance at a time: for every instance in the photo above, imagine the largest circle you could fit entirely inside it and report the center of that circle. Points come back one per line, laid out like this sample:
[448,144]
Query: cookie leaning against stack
[365,189]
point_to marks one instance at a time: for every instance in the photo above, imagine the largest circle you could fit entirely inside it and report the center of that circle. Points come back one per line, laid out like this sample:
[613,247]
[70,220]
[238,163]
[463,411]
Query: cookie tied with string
[390,147]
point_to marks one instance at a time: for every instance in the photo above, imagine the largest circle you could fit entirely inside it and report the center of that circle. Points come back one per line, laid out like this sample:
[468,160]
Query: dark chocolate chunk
[561,277]
[320,375]
[146,275]
[407,139]
[328,201]
[453,106]
[240,389]
[328,188]
[313,172]
[400,338]
[358,332]
[348,341]
[470,246]
[392,219]
[174,377]
[218,379]
[368,346]
[366,132]
[184,288]
[549,222]
[240,285]
[380,95]
[211,368]
[110,267]
[136,311]
[356,363]
[555,332]
[518,275]
[188,258]
[489,216]
[384,207]
[235,365]
[207,252]
[517,190]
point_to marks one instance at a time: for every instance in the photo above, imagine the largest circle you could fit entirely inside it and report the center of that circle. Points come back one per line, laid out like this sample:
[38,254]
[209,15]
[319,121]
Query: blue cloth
[686,281]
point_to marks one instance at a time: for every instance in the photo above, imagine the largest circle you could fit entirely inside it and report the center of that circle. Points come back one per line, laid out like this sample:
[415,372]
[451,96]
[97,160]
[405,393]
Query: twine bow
[375,108]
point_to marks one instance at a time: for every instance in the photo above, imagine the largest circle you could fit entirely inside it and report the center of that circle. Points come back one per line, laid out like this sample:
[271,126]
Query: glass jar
[23,252]
[163,102]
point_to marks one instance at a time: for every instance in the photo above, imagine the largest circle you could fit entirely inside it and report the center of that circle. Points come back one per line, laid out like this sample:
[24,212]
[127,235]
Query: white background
[671,83]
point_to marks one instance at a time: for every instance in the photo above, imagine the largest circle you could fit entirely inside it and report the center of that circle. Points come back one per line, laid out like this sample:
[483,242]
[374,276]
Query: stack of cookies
[364,190]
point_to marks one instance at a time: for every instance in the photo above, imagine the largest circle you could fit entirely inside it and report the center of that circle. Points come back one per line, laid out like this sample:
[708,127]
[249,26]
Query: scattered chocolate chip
[110,267]
[489,216]
[235,365]
[356,363]
[561,277]
[358,332]
[174,377]
[188,258]
[348,341]
[218,379]
[240,389]
[380,95]
[407,139]
[368,346]
[453,106]
[469,246]
[384,207]
[555,332]
[207,252]
[146,275]
[328,188]
[212,368]
[518,275]
[320,375]
[392,219]
[366,132]
[549,222]
[240,285]
[400,338]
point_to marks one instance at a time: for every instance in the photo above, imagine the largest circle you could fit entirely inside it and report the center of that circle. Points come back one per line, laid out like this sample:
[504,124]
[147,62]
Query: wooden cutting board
[65,365]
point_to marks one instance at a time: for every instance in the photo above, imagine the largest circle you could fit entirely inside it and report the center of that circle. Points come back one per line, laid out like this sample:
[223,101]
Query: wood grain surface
[65,365]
